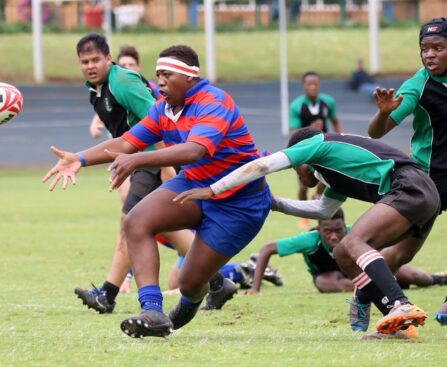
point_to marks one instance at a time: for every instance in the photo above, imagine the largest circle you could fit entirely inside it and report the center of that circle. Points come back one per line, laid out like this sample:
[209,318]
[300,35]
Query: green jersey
[124,99]
[303,111]
[425,97]
[349,165]
[316,252]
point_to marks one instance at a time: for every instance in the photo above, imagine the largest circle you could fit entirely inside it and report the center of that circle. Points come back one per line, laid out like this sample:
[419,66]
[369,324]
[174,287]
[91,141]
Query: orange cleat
[409,333]
[401,317]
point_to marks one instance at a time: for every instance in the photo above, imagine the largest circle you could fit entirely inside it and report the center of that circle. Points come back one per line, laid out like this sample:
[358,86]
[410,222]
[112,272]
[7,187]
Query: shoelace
[361,307]
[96,291]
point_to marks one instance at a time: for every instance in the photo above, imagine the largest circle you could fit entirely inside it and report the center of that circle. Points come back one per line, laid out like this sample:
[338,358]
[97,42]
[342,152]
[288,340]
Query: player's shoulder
[118,75]
[326,98]
[417,80]
[299,100]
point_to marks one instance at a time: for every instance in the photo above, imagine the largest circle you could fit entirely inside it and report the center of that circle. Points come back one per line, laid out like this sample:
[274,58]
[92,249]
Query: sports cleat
[182,314]
[270,273]
[440,278]
[95,298]
[216,299]
[247,278]
[441,314]
[147,323]
[401,317]
[359,314]
[409,333]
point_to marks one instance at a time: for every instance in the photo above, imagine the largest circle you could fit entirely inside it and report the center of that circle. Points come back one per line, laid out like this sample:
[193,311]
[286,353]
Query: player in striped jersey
[204,133]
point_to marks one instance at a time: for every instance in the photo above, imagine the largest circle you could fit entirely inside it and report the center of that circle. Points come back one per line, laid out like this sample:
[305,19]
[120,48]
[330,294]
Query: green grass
[52,242]
[240,56]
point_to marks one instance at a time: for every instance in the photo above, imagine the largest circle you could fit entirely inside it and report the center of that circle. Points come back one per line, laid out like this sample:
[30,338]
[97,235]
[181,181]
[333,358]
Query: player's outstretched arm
[323,208]
[247,173]
[386,102]
[261,264]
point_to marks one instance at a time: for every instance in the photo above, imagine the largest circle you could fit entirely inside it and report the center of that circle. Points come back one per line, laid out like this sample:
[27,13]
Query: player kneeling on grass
[205,134]
[405,200]
[317,247]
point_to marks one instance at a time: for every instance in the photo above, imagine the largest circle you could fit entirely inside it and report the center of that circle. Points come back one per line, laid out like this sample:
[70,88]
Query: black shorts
[441,184]
[142,182]
[414,195]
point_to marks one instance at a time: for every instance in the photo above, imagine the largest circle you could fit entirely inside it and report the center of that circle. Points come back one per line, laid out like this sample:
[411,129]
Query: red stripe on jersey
[215,167]
[151,125]
[207,143]
[133,140]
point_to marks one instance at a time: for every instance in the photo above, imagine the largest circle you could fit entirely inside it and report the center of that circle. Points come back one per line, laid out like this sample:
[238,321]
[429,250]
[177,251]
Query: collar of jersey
[308,100]
[439,79]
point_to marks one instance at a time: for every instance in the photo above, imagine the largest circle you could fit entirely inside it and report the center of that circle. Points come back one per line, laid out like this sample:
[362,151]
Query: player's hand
[317,124]
[122,166]
[204,193]
[96,127]
[252,292]
[66,168]
[385,100]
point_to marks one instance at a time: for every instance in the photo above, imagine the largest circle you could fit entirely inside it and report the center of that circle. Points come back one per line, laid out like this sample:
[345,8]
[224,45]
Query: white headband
[171,64]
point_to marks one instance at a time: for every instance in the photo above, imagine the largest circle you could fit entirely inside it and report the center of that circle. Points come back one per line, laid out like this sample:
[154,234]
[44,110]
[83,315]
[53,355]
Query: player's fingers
[182,197]
[57,152]
[72,179]
[64,182]
[50,173]
[54,182]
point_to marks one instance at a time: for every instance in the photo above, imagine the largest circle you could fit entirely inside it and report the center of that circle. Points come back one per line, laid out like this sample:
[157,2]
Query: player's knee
[133,228]
[190,288]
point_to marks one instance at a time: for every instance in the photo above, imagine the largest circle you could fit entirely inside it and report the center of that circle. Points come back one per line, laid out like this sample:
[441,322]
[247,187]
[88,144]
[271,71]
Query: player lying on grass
[405,200]
[206,135]
[317,246]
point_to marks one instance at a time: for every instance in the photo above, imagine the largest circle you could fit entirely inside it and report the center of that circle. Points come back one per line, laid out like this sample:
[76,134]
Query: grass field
[240,56]
[52,242]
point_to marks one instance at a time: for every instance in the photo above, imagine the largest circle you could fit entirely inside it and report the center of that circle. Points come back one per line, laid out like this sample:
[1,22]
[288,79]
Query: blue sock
[187,302]
[150,298]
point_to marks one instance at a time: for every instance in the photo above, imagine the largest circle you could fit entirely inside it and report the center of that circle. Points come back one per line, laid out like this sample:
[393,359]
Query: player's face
[311,86]
[332,231]
[173,86]
[94,65]
[306,176]
[434,54]
[128,62]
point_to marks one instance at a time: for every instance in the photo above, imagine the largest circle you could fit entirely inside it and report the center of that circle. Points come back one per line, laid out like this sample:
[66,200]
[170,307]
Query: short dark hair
[309,73]
[130,51]
[339,214]
[182,53]
[93,41]
[301,134]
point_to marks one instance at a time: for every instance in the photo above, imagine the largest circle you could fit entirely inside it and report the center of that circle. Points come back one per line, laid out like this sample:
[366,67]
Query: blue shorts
[228,225]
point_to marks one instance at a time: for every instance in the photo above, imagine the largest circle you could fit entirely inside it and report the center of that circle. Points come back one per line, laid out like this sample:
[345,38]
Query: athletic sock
[216,282]
[150,298]
[373,264]
[111,291]
[188,302]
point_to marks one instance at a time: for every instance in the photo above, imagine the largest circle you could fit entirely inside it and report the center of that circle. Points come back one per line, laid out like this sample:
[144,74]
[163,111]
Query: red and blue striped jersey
[210,118]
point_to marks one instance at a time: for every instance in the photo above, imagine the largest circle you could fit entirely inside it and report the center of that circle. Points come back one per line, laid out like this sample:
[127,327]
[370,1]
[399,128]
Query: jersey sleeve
[304,243]
[294,115]
[306,151]
[132,93]
[146,132]
[211,125]
[330,193]
[411,91]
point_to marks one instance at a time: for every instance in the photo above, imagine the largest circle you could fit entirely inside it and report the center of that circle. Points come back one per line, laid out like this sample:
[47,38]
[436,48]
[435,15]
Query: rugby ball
[11,102]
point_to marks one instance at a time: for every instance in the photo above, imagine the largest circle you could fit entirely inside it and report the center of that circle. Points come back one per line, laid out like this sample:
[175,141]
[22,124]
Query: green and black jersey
[425,97]
[303,111]
[349,165]
[123,101]
[316,252]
